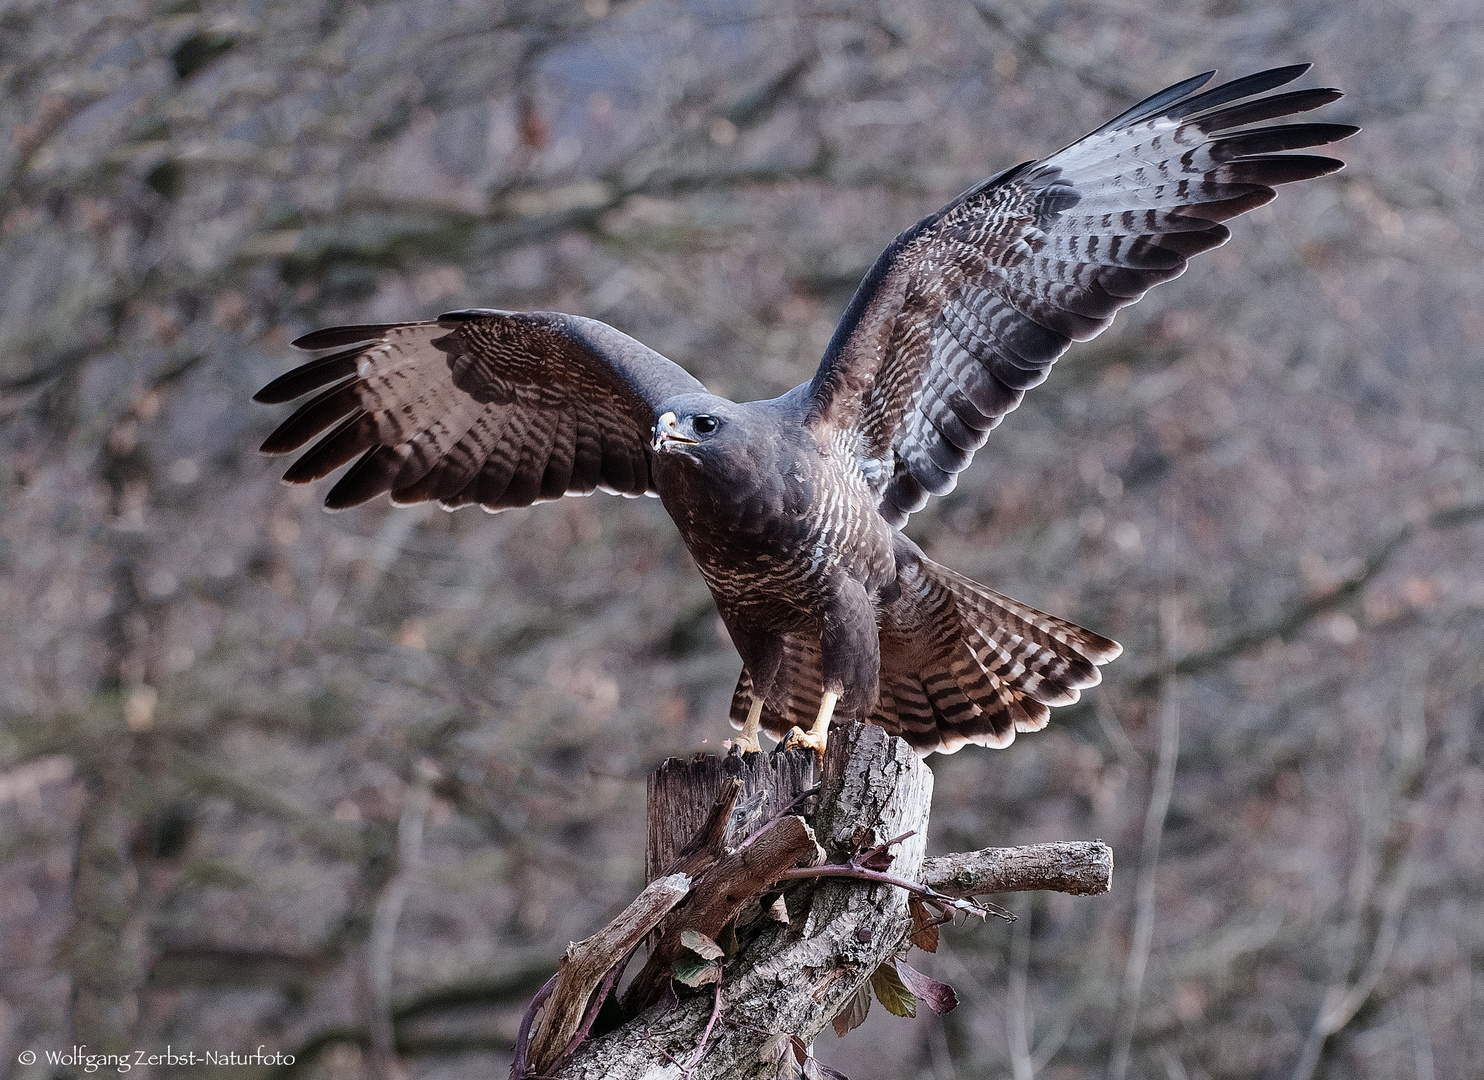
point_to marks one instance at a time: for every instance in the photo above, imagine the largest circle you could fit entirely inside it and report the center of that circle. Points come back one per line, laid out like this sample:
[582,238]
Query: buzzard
[793,508]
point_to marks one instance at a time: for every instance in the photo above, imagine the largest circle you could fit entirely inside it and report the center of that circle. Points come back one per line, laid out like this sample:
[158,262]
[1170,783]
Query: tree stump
[682,791]
[728,835]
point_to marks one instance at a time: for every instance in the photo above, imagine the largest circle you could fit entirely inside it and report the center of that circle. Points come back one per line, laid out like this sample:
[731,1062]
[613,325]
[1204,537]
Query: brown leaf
[924,926]
[701,945]
[891,992]
[773,1048]
[789,1068]
[935,995]
[878,859]
[792,1055]
[814,1069]
[854,1013]
[778,910]
[695,972]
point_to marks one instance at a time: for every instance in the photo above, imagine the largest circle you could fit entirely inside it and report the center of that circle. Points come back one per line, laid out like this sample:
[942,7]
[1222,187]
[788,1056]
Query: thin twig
[519,1065]
[847,870]
[700,1051]
[705,1032]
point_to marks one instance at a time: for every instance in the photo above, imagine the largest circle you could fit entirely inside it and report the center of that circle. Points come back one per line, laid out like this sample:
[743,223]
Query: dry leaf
[935,995]
[792,1056]
[891,991]
[854,1012]
[701,945]
[773,1049]
[924,926]
[814,1069]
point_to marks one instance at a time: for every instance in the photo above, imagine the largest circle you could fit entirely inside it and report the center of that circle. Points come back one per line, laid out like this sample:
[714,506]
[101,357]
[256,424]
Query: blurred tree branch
[1301,614]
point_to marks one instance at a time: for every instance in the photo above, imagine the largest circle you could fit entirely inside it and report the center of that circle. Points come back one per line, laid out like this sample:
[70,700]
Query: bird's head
[695,426]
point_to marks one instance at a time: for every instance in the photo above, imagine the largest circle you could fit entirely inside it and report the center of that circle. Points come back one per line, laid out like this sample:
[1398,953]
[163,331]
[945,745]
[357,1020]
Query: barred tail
[960,664]
[963,664]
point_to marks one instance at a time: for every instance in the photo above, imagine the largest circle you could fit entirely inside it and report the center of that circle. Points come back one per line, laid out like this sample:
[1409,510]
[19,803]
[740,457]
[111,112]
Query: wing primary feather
[366,479]
[1252,112]
[333,337]
[356,434]
[1246,86]
[1155,103]
[314,416]
[1280,169]
[1282,137]
[310,376]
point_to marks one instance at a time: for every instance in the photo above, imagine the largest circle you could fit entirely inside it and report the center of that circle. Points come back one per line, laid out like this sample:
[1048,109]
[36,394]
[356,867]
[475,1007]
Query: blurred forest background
[345,786]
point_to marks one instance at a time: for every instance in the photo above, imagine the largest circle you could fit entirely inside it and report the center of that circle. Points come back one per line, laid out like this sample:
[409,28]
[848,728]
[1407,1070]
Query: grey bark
[1080,867]
[789,979]
[795,978]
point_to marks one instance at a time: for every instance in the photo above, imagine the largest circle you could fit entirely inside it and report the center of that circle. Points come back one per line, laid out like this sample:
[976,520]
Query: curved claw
[817,737]
[799,739]
[741,745]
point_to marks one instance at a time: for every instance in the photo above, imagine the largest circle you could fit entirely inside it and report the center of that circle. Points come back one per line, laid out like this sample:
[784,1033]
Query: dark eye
[705,424]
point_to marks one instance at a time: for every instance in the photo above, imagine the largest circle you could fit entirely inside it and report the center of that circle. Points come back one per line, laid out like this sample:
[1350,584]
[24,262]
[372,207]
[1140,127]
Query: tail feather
[797,689]
[963,664]
[960,664]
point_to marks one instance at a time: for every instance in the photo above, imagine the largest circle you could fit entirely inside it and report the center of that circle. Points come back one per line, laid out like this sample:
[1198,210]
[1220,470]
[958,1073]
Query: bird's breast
[779,536]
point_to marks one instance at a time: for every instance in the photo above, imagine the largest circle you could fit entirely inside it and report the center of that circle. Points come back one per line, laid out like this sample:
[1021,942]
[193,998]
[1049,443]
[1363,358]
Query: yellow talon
[817,737]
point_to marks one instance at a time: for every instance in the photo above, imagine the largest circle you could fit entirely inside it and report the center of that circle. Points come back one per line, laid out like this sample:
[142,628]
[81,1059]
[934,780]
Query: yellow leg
[817,736]
[747,743]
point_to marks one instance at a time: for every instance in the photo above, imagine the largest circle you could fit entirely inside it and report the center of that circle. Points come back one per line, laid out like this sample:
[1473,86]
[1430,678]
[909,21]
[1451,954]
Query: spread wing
[969,308]
[497,408]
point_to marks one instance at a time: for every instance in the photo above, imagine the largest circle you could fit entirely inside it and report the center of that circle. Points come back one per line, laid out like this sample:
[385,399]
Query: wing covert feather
[970,307]
[497,408]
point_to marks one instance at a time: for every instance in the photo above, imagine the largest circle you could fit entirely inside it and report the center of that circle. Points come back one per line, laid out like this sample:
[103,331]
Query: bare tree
[228,718]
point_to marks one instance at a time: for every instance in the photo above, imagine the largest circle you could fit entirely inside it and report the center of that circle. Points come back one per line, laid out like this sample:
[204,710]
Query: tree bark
[681,790]
[793,979]
[587,961]
[1080,867]
[736,826]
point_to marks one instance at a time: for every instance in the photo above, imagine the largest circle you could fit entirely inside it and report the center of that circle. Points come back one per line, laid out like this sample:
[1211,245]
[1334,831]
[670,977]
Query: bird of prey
[793,507]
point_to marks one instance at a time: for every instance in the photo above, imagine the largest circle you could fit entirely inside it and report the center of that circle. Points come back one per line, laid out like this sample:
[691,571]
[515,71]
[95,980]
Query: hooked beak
[669,437]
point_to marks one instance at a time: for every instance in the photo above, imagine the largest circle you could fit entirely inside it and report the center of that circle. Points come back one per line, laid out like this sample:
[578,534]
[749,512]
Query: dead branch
[589,960]
[1079,867]
[736,878]
[846,918]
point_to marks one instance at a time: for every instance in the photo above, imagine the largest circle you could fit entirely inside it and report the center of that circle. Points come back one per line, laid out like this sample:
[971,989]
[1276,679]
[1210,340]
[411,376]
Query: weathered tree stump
[682,792]
[726,838]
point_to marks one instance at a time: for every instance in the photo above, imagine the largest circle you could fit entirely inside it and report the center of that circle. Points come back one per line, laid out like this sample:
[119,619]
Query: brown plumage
[792,507]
